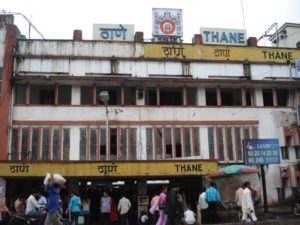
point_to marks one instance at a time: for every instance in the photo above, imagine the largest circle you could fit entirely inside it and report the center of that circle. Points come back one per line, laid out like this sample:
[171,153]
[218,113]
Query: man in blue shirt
[53,190]
[212,197]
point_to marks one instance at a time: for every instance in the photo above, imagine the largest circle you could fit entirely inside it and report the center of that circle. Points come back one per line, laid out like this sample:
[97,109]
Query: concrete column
[77,35]
[75,96]
[139,37]
[204,150]
[258,97]
[252,42]
[74,145]
[201,98]
[197,40]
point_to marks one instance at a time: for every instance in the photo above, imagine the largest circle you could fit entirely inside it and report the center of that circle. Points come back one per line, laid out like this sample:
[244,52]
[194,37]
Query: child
[143,218]
[189,217]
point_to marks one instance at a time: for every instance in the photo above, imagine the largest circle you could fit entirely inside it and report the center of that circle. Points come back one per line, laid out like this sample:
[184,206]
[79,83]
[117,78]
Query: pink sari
[162,220]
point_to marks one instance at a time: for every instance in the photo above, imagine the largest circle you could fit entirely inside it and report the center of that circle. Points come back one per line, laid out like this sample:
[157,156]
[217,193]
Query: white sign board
[220,36]
[113,32]
[167,22]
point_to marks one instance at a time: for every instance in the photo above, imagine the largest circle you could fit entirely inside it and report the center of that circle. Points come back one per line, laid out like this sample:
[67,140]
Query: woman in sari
[162,220]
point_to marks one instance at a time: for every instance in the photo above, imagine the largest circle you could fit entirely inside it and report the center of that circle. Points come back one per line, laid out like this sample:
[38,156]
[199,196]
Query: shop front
[139,179]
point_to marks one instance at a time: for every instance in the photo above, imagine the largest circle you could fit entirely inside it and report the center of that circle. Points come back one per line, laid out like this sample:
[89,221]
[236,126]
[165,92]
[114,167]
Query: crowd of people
[210,199]
[168,206]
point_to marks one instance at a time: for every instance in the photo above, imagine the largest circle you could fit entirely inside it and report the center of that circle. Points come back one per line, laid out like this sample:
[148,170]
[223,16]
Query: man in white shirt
[238,199]
[123,208]
[32,208]
[203,206]
[238,195]
[247,204]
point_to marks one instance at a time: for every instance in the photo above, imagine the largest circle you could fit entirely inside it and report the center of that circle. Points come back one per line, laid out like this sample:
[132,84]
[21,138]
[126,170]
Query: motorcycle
[296,205]
[25,220]
[296,209]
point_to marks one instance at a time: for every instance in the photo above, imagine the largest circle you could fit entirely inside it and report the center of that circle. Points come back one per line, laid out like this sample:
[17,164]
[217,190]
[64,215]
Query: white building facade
[166,101]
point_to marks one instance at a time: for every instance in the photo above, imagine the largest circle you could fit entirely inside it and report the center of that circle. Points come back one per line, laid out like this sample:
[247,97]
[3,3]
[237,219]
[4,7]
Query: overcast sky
[56,19]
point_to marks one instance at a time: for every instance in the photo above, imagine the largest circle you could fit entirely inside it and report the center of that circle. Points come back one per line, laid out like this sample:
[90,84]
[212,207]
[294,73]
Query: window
[82,144]
[284,152]
[249,97]
[129,96]
[188,146]
[113,144]
[178,147]
[283,97]
[43,95]
[171,96]
[45,144]
[86,95]
[247,133]
[239,143]
[211,96]
[114,95]
[171,142]
[151,96]
[211,142]
[149,143]
[231,97]
[191,96]
[24,144]
[14,144]
[230,145]
[297,151]
[268,97]
[159,144]
[66,143]
[123,144]
[133,143]
[20,97]
[55,144]
[255,132]
[289,140]
[103,144]
[93,144]
[221,143]
[64,95]
[169,150]
[197,141]
[34,143]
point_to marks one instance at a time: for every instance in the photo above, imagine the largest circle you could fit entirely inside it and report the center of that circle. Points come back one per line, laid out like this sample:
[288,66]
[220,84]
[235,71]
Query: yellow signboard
[220,53]
[109,169]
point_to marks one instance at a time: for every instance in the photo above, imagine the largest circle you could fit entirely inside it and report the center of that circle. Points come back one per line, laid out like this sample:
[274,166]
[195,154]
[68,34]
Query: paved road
[275,216]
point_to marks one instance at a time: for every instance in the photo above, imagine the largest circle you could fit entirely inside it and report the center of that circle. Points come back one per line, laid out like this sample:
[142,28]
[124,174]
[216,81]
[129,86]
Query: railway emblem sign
[167,24]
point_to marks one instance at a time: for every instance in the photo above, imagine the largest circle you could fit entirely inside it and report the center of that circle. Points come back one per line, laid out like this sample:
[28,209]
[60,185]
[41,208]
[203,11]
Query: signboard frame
[261,151]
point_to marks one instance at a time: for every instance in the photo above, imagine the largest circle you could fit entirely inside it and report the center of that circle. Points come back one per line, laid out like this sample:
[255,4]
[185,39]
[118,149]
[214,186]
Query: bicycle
[231,210]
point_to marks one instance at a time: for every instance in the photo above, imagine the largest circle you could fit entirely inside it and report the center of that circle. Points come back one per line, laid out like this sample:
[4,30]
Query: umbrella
[230,177]
[233,169]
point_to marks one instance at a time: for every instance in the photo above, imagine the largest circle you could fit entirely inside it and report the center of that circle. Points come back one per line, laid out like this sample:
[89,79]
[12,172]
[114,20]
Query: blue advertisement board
[298,114]
[261,151]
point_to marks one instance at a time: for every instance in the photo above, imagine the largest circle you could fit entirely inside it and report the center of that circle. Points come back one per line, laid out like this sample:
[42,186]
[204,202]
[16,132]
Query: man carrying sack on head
[53,186]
